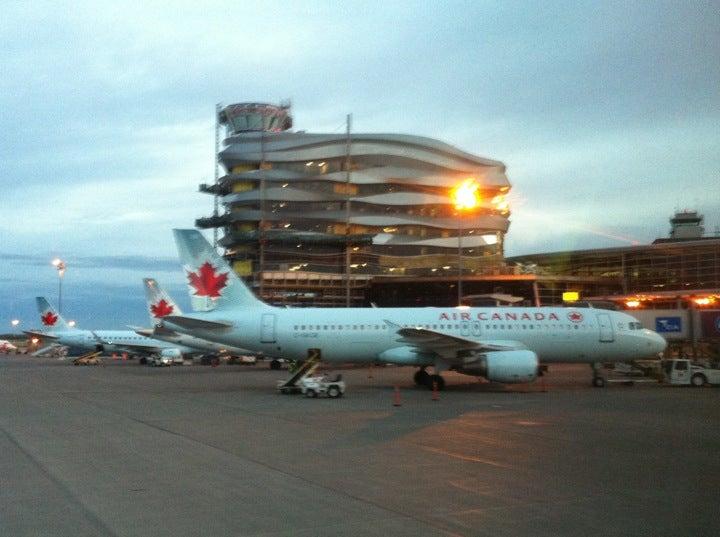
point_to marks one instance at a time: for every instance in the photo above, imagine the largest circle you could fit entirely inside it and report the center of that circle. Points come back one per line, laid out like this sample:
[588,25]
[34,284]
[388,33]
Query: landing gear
[425,379]
[275,364]
[422,377]
[436,381]
[598,380]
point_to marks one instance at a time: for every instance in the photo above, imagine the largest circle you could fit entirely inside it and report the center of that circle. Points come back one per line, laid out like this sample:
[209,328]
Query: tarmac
[124,449]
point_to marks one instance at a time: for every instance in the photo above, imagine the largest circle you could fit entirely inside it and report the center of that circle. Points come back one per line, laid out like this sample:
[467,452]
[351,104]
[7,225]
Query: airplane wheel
[697,380]
[598,382]
[436,379]
[421,377]
[275,364]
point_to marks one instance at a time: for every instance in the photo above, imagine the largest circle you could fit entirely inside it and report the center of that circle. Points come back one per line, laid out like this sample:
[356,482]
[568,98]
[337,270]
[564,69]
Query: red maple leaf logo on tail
[207,282]
[575,316]
[161,309]
[49,318]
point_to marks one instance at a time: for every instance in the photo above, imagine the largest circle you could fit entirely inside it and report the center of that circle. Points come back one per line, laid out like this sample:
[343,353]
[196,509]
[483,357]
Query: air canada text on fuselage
[497,316]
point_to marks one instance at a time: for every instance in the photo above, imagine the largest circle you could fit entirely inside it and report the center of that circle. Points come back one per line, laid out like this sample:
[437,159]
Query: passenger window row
[448,327]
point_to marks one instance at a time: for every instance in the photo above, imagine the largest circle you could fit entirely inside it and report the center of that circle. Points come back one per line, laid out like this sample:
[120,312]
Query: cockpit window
[635,325]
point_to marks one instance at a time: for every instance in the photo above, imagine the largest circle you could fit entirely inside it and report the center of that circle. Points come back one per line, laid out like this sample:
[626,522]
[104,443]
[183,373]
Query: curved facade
[367,204]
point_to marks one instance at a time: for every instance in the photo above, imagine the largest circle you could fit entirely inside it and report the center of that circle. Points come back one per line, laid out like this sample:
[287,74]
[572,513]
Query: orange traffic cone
[124,356]
[396,396]
[114,356]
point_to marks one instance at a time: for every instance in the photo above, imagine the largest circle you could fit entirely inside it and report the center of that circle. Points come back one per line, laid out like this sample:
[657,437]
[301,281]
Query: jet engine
[407,356]
[502,366]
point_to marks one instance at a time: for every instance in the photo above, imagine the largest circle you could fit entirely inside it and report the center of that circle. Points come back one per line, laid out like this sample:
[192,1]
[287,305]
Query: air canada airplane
[501,344]
[60,332]
[161,304]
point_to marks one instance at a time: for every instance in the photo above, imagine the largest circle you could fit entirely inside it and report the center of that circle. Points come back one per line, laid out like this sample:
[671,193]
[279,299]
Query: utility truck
[682,372]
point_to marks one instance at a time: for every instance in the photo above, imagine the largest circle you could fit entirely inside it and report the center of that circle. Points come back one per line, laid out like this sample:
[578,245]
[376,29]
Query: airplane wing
[445,345]
[150,332]
[197,324]
[41,335]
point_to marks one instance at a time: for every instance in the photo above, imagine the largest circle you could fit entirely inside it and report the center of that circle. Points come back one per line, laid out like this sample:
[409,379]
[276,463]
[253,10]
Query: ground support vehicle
[682,372]
[160,360]
[322,385]
[628,374]
[242,359]
[91,358]
[293,384]
[209,359]
[277,364]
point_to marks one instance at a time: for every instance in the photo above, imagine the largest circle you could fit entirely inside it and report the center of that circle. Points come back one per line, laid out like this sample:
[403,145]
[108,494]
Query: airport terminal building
[672,284]
[310,219]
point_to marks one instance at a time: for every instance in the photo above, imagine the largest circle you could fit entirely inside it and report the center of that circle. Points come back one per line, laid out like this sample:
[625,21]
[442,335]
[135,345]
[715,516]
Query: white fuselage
[362,335]
[110,340]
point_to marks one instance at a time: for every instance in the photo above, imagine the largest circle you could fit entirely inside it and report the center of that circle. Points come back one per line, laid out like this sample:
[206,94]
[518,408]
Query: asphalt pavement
[123,449]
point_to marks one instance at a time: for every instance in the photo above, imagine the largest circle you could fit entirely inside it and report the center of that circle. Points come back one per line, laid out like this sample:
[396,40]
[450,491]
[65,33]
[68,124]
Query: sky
[605,113]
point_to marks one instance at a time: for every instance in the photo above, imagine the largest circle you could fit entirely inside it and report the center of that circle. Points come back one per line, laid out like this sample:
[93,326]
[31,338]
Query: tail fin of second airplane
[209,275]
[159,302]
[49,317]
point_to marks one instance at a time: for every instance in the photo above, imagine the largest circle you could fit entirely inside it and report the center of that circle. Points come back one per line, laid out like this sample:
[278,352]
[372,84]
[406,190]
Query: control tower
[255,117]
[686,225]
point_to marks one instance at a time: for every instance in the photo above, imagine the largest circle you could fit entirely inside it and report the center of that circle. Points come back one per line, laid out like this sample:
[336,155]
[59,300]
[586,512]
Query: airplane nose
[659,343]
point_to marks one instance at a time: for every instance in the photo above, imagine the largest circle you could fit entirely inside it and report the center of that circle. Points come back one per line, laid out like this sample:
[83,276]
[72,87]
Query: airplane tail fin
[50,318]
[159,302]
[209,275]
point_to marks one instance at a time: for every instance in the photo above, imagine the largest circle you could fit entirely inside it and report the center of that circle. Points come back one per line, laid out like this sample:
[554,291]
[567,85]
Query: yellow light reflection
[465,195]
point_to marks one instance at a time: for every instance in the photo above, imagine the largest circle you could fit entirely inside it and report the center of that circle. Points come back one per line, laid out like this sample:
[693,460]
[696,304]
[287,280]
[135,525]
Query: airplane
[502,344]
[79,341]
[160,304]
[6,346]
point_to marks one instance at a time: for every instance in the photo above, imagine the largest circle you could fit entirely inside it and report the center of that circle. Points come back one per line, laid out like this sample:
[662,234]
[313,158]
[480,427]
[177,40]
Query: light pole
[59,264]
[465,197]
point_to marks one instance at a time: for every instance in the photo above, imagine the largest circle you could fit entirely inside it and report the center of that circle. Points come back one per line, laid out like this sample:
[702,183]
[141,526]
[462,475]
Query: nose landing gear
[598,379]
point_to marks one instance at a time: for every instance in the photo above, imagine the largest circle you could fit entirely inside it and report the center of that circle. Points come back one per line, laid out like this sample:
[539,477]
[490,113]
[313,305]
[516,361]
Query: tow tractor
[682,372]
[160,360]
[322,385]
